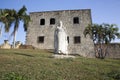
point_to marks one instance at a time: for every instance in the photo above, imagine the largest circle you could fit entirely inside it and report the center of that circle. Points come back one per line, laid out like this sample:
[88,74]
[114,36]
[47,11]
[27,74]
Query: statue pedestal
[58,56]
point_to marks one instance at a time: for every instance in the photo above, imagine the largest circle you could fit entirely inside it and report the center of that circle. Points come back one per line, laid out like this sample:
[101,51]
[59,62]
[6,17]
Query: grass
[39,65]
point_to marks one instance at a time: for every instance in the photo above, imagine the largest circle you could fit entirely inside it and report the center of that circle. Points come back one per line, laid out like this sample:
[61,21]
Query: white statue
[60,40]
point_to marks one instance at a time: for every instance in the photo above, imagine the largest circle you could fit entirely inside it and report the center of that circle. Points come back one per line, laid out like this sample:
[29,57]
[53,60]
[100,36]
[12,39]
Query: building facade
[40,33]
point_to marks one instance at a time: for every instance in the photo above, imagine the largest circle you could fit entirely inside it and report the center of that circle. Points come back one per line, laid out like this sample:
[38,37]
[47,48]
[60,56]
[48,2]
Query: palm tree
[6,18]
[93,30]
[0,31]
[112,32]
[20,15]
[9,17]
[102,35]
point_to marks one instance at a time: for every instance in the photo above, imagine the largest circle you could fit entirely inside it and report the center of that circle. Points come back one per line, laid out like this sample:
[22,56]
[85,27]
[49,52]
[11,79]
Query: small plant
[13,76]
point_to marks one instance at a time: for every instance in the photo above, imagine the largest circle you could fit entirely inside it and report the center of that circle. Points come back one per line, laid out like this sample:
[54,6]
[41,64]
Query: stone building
[40,33]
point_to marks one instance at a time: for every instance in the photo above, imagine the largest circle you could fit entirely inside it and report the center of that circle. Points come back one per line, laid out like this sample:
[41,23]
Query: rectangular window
[52,21]
[76,20]
[68,39]
[41,39]
[77,39]
[42,21]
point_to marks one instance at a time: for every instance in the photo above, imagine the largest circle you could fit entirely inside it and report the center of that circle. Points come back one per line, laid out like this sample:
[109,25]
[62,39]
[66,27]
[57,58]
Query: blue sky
[103,11]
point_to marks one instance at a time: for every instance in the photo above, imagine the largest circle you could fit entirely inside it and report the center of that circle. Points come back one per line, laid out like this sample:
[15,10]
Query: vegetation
[5,18]
[102,35]
[39,65]
[11,16]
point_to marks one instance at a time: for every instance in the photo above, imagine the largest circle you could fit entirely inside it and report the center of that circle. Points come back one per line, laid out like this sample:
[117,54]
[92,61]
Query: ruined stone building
[40,33]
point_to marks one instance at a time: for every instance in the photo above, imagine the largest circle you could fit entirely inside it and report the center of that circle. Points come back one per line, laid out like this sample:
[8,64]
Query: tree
[6,18]
[101,35]
[20,15]
[0,31]
[11,16]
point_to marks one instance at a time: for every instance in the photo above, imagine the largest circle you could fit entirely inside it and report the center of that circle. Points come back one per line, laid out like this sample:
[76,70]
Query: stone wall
[35,30]
[114,50]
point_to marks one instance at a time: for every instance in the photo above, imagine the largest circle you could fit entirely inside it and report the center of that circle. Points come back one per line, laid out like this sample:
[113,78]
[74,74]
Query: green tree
[9,17]
[20,15]
[6,18]
[102,35]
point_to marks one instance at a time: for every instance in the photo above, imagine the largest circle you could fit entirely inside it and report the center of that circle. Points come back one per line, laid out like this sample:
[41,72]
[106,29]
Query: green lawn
[39,65]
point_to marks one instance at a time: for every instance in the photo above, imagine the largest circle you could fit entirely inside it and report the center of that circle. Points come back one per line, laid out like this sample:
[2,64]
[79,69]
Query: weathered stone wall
[113,50]
[85,48]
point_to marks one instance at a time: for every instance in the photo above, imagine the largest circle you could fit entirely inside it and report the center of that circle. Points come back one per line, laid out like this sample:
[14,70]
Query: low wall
[113,50]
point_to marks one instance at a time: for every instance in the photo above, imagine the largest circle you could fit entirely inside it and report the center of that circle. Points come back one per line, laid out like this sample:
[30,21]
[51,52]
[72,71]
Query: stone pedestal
[57,56]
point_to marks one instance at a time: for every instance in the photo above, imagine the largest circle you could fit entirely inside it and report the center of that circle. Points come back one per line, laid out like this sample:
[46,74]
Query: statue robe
[60,41]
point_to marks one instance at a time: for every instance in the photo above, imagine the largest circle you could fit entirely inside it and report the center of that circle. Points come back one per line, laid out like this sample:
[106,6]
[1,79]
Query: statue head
[60,24]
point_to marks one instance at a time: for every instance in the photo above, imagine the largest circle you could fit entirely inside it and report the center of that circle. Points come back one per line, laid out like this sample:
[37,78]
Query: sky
[103,11]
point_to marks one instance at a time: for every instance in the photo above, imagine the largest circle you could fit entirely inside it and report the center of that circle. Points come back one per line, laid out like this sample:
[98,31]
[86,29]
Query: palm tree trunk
[14,39]
[0,31]
[105,50]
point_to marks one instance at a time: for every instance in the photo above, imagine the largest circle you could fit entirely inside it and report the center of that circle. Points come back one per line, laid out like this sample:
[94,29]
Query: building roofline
[61,10]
